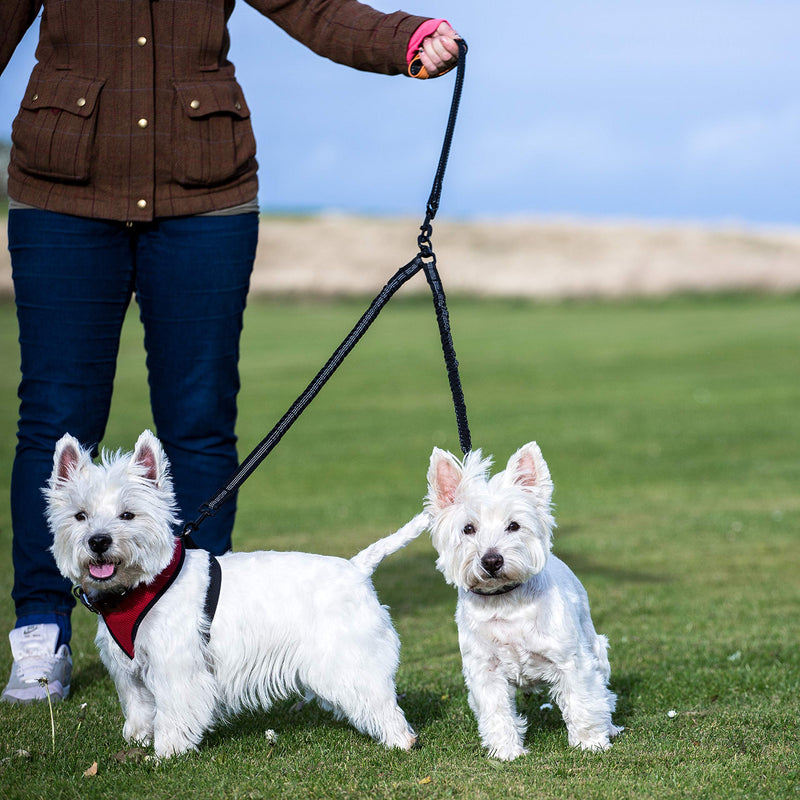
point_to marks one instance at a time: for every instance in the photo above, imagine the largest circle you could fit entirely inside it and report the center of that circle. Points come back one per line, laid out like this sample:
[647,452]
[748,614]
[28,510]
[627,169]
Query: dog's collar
[509,587]
[124,615]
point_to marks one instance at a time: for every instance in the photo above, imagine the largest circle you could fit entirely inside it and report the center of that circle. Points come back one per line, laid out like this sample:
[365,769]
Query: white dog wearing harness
[285,622]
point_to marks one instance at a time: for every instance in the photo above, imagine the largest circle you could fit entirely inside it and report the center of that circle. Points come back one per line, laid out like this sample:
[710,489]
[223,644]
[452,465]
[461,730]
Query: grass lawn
[671,430]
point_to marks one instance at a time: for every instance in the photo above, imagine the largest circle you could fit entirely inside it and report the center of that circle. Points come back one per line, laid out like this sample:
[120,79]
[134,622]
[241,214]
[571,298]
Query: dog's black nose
[492,561]
[99,543]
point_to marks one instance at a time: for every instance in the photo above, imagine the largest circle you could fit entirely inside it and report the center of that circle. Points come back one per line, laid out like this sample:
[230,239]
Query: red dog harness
[124,616]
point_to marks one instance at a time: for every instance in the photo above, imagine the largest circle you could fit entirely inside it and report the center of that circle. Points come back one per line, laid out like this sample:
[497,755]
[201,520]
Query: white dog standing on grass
[523,617]
[284,623]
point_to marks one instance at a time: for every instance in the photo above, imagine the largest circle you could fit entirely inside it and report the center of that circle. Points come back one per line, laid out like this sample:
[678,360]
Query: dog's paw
[595,747]
[593,741]
[507,752]
[405,742]
[137,733]
[399,735]
[173,744]
[410,742]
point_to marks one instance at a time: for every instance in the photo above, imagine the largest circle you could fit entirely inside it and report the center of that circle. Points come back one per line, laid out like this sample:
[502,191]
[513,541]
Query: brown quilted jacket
[133,110]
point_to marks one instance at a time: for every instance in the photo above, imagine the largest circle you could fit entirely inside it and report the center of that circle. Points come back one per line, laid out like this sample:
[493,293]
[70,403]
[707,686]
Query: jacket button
[195,104]
[141,41]
[141,203]
[142,123]
[81,102]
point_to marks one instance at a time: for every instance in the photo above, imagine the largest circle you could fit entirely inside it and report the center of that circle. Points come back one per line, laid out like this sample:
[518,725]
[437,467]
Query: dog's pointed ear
[67,457]
[150,456]
[527,468]
[444,476]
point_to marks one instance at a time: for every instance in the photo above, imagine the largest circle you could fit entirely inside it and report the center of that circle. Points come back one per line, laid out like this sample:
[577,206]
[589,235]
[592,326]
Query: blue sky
[627,109]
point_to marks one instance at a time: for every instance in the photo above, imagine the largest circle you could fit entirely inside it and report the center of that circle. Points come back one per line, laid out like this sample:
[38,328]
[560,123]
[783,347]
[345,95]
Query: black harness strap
[212,593]
[425,260]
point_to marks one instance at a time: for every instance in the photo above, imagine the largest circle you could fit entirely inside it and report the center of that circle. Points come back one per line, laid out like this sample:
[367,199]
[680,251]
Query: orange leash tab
[416,69]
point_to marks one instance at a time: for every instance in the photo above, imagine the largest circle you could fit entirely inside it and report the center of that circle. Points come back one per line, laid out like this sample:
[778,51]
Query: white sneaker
[39,669]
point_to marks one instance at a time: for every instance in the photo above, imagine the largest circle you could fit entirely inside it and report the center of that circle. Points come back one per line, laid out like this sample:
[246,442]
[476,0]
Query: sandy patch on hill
[339,255]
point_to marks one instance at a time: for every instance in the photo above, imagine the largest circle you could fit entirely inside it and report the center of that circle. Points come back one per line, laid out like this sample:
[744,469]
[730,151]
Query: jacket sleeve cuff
[426,29]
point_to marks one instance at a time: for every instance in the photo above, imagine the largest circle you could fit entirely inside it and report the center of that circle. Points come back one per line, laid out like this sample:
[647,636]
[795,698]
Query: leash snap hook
[79,594]
[191,527]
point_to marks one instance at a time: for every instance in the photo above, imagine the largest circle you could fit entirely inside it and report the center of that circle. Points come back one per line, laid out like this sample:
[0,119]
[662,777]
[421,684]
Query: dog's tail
[368,559]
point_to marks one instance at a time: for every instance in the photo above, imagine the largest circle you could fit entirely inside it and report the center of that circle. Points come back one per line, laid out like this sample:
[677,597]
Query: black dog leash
[425,260]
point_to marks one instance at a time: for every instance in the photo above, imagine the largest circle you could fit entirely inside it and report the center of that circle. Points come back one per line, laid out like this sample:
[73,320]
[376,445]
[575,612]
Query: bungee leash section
[425,260]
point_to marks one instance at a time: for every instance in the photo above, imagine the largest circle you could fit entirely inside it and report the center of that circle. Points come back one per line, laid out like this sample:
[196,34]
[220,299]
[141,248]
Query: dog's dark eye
[127,516]
[81,516]
[469,529]
[512,527]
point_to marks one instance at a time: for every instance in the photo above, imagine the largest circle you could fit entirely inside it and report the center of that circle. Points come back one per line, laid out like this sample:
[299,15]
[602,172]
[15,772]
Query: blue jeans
[73,282]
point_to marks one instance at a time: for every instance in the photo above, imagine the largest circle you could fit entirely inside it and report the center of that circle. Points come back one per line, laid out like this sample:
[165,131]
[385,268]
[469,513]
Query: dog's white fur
[492,533]
[286,622]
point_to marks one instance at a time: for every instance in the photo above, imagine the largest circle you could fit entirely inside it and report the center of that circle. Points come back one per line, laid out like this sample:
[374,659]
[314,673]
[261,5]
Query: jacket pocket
[54,132]
[213,139]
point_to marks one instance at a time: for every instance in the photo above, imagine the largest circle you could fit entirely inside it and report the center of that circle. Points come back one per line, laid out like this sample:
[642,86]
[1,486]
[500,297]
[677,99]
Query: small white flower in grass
[672,713]
[271,736]
[735,656]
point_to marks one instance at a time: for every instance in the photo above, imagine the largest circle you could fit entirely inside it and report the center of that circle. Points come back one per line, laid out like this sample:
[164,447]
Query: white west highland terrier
[284,623]
[523,617]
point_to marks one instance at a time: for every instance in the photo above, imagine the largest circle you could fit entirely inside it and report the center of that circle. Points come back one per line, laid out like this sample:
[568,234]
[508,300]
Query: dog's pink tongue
[101,571]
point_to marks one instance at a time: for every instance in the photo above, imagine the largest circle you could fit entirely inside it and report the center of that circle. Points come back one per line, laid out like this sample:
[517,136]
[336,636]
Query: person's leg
[193,275]
[72,284]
